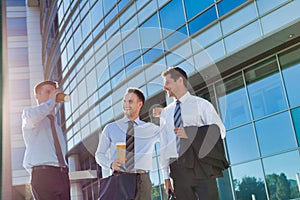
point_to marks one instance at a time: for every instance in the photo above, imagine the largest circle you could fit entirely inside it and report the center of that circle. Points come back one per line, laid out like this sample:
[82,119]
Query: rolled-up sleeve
[101,154]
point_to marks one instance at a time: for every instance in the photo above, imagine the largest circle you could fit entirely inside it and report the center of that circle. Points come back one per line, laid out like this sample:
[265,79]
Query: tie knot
[178,102]
[51,117]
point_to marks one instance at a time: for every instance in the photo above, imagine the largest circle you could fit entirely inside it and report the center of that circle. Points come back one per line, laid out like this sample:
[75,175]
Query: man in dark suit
[191,146]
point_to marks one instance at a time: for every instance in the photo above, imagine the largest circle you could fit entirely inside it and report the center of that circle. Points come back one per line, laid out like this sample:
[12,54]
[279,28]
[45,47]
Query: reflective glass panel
[275,134]
[233,103]
[265,88]
[248,181]
[241,144]
[202,20]
[225,6]
[193,7]
[290,63]
[170,19]
[282,172]
[296,121]
[150,32]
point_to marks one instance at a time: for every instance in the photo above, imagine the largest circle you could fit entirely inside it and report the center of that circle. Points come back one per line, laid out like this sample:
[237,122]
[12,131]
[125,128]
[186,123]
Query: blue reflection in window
[203,20]
[275,134]
[172,16]
[233,104]
[194,7]
[104,90]
[266,96]
[241,144]
[248,180]
[111,15]
[225,6]
[291,78]
[134,67]
[281,172]
[152,54]
[296,121]
[108,4]
[150,32]
[175,38]
[117,79]
[122,4]
[96,13]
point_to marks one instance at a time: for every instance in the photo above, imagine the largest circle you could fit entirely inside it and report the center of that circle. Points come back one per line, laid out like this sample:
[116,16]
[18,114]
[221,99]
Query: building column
[74,165]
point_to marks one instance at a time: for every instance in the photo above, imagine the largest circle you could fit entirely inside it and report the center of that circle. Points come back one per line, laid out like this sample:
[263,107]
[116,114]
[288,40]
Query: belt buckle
[63,168]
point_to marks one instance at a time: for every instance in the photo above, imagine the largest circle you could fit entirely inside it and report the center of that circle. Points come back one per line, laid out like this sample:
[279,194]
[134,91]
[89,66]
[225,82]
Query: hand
[156,111]
[116,165]
[54,93]
[180,132]
[168,186]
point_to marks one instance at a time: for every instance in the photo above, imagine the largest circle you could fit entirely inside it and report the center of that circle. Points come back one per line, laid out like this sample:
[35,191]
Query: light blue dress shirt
[38,137]
[145,134]
[195,111]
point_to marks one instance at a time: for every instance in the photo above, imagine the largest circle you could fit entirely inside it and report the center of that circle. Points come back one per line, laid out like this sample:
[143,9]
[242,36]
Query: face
[44,93]
[131,105]
[171,86]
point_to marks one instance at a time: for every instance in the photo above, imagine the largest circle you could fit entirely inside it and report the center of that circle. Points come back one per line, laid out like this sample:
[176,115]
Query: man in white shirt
[145,137]
[186,110]
[45,152]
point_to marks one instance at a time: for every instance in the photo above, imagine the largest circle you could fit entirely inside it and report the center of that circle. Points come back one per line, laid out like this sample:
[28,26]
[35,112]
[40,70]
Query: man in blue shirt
[45,152]
[145,137]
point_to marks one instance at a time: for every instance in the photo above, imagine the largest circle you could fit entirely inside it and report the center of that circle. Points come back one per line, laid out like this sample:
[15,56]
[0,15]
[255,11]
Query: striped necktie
[129,163]
[177,121]
[58,151]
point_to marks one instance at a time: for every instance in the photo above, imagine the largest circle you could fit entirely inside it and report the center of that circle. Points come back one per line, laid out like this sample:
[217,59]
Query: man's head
[43,90]
[133,101]
[175,82]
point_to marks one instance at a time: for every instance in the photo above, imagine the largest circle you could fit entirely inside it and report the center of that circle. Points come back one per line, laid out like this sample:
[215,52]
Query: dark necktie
[129,163]
[56,142]
[177,121]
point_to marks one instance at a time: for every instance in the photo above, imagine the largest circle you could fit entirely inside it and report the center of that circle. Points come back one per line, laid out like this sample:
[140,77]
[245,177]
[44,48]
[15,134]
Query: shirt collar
[137,121]
[184,97]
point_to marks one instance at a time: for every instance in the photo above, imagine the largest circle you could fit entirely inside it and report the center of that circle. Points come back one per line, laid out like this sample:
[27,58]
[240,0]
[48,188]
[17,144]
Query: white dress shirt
[195,111]
[145,137]
[38,137]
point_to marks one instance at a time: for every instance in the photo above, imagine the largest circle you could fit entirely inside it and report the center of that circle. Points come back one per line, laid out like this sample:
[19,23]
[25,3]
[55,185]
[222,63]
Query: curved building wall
[96,49]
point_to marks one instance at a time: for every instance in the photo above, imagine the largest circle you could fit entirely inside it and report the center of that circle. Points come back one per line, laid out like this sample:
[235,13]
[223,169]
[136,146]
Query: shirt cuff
[166,173]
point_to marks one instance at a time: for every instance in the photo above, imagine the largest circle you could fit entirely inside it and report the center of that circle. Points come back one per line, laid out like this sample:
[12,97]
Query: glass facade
[96,49]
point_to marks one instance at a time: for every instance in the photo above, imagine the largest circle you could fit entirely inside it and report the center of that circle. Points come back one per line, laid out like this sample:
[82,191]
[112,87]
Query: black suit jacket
[203,151]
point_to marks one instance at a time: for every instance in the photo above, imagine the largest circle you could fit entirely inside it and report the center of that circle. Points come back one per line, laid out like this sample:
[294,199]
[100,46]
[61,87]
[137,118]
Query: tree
[250,186]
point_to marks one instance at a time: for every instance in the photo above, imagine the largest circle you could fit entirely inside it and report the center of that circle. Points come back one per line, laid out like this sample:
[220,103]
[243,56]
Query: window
[265,88]
[193,7]
[290,63]
[171,20]
[275,134]
[233,101]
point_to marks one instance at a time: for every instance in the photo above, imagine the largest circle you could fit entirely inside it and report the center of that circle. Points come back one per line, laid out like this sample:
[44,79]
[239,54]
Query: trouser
[186,186]
[143,187]
[49,183]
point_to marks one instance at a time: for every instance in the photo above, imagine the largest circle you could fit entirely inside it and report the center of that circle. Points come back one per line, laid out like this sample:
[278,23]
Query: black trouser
[186,186]
[143,186]
[50,183]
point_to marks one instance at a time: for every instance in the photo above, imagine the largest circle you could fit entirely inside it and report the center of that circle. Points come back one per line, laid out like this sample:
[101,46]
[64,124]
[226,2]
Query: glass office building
[242,55]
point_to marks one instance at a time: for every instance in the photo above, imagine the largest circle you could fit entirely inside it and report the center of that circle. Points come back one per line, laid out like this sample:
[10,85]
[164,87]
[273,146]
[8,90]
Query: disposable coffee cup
[61,97]
[121,151]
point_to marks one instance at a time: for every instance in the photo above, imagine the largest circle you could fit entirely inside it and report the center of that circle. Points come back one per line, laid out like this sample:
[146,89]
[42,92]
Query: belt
[43,167]
[139,171]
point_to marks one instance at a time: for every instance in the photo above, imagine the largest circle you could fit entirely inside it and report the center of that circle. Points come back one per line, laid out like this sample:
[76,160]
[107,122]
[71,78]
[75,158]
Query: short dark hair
[139,93]
[176,72]
[37,87]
